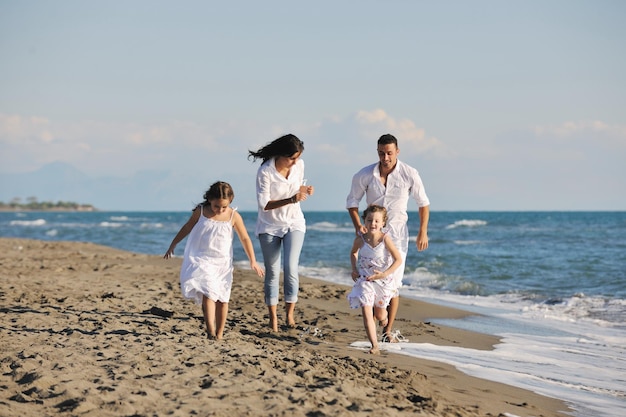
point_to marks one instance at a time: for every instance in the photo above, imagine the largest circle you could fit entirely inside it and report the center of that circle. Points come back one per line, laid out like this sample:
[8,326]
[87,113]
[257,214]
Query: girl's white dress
[376,293]
[207,267]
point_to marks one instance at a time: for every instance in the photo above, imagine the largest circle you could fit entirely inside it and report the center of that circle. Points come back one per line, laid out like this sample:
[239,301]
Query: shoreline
[82,333]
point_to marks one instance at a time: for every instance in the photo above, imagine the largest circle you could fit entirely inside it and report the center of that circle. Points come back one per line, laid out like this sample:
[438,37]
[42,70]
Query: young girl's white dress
[376,293]
[207,267]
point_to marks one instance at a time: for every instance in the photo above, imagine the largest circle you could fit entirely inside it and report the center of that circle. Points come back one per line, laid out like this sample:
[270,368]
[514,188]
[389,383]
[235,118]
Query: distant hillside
[145,190]
[34,205]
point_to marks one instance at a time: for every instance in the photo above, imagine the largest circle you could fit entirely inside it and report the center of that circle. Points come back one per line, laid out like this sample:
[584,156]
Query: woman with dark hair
[280,187]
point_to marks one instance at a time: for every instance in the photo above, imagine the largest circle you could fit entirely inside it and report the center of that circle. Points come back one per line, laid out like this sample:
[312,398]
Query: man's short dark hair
[388,139]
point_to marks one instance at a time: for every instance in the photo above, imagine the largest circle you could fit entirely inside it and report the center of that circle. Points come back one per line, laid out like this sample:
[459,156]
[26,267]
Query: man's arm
[422,237]
[356,220]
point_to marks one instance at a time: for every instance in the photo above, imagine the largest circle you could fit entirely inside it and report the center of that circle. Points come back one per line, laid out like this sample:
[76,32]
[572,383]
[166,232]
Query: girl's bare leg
[382,316]
[208,307]
[370,328]
[290,308]
[273,318]
[221,312]
[392,309]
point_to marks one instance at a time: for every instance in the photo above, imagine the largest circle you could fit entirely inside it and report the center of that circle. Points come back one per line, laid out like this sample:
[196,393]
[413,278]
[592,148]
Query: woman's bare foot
[274,324]
[374,350]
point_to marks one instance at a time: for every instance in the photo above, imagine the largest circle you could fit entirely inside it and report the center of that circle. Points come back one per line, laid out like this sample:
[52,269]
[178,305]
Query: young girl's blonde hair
[376,209]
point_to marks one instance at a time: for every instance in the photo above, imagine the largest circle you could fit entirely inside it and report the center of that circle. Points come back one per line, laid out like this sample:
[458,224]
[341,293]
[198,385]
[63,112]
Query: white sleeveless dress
[376,293]
[207,267]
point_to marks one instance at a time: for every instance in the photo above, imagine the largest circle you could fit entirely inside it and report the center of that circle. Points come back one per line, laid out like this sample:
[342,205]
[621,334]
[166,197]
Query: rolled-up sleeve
[263,187]
[357,189]
[418,192]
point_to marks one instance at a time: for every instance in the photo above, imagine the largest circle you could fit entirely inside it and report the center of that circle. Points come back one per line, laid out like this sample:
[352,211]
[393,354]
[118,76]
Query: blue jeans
[270,246]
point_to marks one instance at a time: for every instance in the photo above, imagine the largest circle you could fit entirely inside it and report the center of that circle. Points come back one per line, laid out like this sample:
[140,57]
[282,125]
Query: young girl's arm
[183,232]
[397,260]
[354,256]
[244,238]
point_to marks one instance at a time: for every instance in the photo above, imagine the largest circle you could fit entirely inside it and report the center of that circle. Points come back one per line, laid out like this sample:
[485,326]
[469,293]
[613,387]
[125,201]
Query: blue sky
[501,105]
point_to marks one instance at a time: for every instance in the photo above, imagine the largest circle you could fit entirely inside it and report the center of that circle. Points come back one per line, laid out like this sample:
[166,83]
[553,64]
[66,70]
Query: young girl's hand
[256,268]
[169,253]
[376,275]
[355,275]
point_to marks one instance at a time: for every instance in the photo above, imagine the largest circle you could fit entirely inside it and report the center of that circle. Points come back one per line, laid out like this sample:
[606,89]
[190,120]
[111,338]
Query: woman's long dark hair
[285,145]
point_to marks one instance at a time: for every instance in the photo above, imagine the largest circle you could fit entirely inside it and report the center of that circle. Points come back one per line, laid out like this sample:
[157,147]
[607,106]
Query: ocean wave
[329,227]
[151,225]
[38,222]
[110,224]
[466,223]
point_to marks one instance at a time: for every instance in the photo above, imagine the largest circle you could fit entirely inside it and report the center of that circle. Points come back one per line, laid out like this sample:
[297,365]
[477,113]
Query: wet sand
[87,330]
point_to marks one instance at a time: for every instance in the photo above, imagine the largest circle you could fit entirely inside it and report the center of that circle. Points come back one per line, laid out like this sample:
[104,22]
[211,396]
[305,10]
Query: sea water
[550,285]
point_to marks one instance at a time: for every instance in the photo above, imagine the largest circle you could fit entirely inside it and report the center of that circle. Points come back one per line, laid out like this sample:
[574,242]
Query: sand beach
[88,330]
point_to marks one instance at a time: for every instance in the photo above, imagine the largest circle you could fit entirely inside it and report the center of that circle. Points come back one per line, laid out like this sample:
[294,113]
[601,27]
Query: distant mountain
[59,181]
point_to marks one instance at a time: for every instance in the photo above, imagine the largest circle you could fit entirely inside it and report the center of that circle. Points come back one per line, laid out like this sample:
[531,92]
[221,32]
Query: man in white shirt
[390,183]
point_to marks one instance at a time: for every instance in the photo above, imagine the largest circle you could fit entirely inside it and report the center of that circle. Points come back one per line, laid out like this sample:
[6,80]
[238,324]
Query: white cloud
[513,165]
[599,129]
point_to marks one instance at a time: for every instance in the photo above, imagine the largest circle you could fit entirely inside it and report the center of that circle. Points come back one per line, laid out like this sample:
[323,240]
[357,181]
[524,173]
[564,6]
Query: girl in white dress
[206,274]
[374,258]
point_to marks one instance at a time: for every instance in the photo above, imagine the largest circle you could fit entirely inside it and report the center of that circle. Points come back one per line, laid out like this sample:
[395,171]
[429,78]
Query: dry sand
[83,332]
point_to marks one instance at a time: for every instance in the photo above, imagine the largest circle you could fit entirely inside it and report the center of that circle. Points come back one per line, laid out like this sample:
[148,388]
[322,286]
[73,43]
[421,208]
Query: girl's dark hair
[376,209]
[219,191]
[285,145]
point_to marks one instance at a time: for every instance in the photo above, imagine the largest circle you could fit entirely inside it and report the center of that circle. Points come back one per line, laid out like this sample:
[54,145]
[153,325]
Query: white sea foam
[110,224]
[151,225]
[38,222]
[466,223]
[329,227]
[554,349]
[119,218]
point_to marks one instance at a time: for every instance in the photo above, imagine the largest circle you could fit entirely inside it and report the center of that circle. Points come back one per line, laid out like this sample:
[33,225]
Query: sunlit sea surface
[551,285]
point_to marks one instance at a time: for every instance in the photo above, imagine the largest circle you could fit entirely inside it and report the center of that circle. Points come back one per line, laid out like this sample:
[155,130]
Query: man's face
[388,155]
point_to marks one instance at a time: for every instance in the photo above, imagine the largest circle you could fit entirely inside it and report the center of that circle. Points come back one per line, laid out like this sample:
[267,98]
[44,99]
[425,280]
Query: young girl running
[206,274]
[374,258]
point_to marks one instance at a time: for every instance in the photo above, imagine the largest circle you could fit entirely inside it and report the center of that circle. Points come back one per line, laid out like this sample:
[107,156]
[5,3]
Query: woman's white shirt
[271,186]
